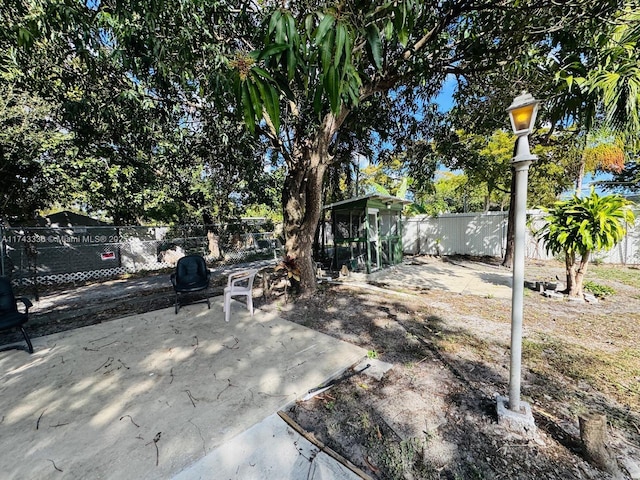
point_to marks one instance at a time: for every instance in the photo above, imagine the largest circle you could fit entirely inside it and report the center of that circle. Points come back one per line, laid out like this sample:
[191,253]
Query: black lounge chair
[191,275]
[10,316]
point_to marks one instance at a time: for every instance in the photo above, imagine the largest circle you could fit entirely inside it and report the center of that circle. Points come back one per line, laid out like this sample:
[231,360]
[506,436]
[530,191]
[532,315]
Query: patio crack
[204,449]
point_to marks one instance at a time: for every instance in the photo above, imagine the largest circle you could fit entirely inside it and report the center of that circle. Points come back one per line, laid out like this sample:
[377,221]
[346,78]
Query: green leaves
[607,77]
[270,101]
[582,225]
[332,87]
[341,82]
[272,49]
[327,50]
[259,98]
[321,56]
[374,45]
[323,29]
[260,83]
[341,38]
[35,153]
[321,67]
[248,108]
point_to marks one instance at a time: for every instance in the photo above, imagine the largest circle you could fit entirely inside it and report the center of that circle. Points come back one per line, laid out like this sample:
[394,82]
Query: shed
[367,232]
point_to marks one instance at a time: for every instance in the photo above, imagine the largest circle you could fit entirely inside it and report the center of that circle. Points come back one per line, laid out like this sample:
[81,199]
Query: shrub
[598,290]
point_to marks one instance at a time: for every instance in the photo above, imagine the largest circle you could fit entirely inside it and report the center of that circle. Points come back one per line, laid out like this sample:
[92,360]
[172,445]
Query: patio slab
[149,395]
[268,450]
[466,278]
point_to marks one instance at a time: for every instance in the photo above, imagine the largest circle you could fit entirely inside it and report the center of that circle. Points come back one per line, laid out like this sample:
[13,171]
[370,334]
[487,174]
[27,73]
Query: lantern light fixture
[522,112]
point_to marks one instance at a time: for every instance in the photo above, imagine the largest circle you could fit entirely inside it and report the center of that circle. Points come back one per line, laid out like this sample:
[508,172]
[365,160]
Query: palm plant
[579,226]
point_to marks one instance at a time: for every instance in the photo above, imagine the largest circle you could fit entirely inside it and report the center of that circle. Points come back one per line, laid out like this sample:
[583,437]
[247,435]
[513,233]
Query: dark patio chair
[10,316]
[191,275]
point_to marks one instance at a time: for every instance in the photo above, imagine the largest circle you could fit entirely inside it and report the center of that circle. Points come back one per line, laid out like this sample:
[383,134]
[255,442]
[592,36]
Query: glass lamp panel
[522,117]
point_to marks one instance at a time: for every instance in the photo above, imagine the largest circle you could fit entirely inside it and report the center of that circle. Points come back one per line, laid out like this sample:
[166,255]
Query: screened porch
[367,232]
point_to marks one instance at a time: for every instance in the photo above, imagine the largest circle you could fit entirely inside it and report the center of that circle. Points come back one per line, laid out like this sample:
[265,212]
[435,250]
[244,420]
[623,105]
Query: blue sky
[445,101]
[445,97]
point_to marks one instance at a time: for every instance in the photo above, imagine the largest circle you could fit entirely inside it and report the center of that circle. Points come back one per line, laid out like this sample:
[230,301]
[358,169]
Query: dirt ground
[433,415]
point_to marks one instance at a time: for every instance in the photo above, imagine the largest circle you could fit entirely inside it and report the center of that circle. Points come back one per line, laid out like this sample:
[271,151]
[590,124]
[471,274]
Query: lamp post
[522,113]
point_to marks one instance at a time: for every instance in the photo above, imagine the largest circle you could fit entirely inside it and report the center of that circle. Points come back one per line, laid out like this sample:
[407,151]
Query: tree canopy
[30,139]
[156,94]
[142,141]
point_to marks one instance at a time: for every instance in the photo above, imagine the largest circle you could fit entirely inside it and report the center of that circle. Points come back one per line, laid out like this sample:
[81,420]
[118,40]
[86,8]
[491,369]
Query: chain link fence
[63,255]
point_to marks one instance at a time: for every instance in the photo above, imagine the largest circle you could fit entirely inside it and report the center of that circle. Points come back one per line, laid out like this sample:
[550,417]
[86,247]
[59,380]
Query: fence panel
[74,254]
[449,234]
[39,255]
[486,234]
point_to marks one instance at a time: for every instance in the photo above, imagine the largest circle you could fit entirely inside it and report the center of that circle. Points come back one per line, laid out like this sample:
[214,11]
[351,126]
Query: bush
[598,290]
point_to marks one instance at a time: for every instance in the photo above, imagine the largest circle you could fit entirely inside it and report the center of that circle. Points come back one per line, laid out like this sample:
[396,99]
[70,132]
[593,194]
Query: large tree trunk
[302,196]
[301,199]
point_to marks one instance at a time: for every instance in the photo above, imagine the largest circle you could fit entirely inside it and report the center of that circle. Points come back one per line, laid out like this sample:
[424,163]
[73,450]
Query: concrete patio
[95,402]
[160,395]
[462,277]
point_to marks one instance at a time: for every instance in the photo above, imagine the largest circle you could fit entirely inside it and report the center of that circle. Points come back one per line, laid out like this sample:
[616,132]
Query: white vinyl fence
[485,234]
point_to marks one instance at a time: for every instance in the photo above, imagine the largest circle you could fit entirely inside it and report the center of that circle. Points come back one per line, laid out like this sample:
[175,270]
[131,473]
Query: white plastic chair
[239,284]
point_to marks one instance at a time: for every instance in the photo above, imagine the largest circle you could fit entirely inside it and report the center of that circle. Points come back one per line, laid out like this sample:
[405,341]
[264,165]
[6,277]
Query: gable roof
[374,196]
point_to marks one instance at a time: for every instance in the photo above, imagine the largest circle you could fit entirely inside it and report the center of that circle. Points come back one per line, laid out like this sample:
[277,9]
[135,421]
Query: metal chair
[191,275]
[10,316]
[239,284]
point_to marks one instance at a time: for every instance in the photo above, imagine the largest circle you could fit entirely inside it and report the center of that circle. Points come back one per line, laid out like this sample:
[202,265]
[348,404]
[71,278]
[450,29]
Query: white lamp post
[522,113]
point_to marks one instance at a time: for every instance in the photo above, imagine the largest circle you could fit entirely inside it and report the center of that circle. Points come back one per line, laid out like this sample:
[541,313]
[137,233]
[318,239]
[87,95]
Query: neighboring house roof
[65,218]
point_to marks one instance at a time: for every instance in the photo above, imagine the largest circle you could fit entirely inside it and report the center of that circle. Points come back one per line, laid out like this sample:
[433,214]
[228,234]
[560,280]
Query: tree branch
[276,142]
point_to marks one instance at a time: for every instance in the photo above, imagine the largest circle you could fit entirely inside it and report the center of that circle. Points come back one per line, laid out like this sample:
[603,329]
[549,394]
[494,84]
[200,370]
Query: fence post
[3,247]
[626,244]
